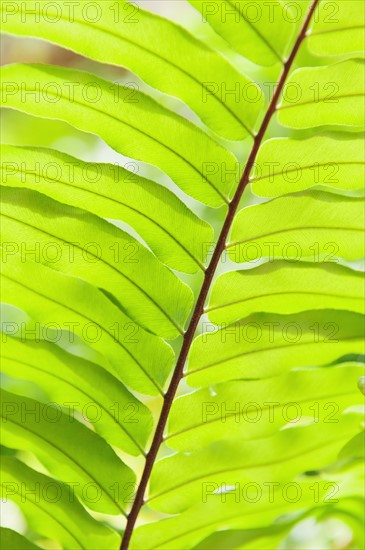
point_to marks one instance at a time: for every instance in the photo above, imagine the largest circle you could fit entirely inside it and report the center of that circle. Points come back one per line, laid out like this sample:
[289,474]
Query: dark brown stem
[209,274]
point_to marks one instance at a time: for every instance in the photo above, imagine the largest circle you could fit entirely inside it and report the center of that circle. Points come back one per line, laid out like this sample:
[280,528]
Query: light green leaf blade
[285,287]
[163,139]
[286,165]
[251,345]
[69,450]
[280,458]
[188,529]
[81,244]
[11,540]
[355,447]
[267,538]
[110,191]
[52,508]
[252,409]
[83,313]
[318,96]
[265,345]
[338,28]
[163,54]
[261,33]
[312,226]
[102,400]
[18,324]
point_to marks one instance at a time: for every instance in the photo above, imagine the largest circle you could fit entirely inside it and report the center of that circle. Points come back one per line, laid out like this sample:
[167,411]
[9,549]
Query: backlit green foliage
[264,431]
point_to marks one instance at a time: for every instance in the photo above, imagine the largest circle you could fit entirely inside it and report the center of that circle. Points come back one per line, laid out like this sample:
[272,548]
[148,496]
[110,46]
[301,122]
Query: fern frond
[244,260]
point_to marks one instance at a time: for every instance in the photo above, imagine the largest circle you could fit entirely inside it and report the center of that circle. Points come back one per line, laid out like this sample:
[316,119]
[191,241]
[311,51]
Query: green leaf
[219,512]
[11,540]
[262,33]
[318,96]
[163,54]
[251,409]
[55,300]
[287,165]
[338,28]
[354,448]
[274,341]
[266,345]
[312,226]
[52,509]
[225,464]
[110,191]
[18,324]
[163,139]
[69,450]
[288,288]
[102,400]
[241,538]
[79,243]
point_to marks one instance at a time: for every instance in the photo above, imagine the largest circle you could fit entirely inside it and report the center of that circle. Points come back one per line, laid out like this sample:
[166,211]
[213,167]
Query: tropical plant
[182,359]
